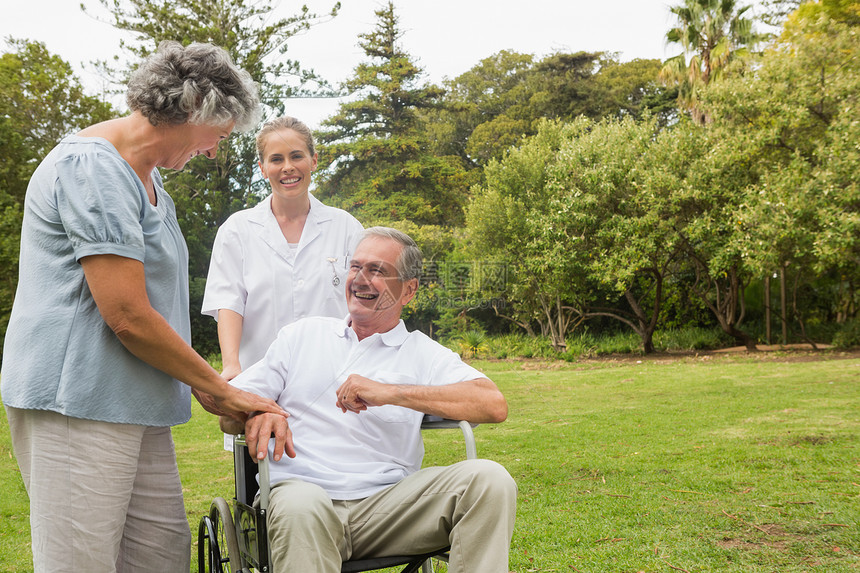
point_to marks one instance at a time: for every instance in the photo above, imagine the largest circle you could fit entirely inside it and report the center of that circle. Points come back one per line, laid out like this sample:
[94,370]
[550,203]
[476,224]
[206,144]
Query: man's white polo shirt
[349,455]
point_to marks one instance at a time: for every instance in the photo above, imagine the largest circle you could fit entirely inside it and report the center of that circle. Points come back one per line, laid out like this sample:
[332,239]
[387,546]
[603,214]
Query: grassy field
[711,463]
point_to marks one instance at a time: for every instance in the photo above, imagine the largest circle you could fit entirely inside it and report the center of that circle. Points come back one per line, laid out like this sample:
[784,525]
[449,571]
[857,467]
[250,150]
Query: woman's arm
[118,286]
[230,325]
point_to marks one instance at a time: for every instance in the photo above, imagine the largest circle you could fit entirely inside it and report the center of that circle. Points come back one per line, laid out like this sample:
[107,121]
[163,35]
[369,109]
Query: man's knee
[488,490]
[491,476]
[301,506]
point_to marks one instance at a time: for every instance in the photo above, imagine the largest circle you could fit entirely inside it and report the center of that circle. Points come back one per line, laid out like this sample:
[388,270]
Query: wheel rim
[226,543]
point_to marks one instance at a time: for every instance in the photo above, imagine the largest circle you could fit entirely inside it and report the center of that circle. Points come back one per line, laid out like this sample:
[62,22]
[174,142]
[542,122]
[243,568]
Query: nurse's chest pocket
[394,414]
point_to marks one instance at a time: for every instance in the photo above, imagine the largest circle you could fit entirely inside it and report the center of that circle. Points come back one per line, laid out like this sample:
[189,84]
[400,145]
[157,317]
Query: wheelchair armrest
[437,423]
[246,468]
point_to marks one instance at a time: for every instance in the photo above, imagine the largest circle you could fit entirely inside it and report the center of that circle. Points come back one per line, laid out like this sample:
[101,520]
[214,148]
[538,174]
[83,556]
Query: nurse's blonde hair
[278,124]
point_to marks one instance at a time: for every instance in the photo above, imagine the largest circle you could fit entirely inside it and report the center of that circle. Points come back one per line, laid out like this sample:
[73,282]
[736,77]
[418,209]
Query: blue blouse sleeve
[100,203]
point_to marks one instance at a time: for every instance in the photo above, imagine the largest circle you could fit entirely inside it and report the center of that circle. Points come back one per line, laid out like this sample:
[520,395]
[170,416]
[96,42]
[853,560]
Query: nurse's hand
[230,371]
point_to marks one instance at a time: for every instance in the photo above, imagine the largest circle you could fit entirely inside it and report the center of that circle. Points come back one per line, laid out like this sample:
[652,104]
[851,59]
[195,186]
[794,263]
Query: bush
[692,338]
[472,343]
[848,335]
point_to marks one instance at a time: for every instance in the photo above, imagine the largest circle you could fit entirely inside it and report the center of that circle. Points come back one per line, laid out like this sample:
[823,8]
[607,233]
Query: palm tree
[712,32]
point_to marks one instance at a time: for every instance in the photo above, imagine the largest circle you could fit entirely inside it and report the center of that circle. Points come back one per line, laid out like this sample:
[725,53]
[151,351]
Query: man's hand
[260,427]
[358,393]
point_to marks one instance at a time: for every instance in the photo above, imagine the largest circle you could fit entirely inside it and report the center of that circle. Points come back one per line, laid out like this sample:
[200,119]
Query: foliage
[494,105]
[472,343]
[500,228]
[712,33]
[849,335]
[795,116]
[257,42]
[475,97]
[603,204]
[374,154]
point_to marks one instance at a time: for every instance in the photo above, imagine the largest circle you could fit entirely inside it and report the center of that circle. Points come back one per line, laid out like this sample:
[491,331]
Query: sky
[445,37]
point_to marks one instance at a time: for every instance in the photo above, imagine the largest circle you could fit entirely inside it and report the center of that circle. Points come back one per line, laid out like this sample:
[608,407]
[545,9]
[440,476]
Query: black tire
[208,555]
[218,549]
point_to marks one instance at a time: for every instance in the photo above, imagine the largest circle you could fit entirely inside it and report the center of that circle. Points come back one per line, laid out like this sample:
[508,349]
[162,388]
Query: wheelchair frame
[237,541]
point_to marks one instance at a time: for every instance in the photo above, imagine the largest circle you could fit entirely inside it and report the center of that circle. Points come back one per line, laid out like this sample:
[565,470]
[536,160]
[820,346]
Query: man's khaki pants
[470,506]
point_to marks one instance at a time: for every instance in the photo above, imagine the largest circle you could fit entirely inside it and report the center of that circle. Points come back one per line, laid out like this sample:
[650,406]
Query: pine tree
[374,153]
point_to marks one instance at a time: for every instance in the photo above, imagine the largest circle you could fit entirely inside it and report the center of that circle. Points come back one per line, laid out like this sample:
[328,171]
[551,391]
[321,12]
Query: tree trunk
[783,306]
[727,306]
[767,335]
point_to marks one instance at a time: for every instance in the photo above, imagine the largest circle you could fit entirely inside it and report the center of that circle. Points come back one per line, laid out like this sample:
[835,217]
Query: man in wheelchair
[346,477]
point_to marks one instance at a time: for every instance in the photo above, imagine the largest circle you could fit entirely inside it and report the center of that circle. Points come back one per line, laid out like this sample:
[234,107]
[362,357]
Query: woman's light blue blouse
[59,355]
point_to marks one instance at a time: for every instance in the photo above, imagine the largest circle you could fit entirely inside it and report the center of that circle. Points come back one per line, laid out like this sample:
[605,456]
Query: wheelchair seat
[236,541]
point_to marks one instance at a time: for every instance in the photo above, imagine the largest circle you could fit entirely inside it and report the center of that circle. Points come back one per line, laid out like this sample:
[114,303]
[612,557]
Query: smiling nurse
[281,260]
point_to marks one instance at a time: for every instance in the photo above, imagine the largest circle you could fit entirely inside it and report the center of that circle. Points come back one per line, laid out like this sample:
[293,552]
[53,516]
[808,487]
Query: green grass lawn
[714,463]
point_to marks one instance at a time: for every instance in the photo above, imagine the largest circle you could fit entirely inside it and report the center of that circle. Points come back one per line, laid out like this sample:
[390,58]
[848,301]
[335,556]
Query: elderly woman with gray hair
[96,363]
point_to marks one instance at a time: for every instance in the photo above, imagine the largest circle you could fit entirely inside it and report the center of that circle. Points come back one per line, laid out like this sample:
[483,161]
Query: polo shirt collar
[394,337]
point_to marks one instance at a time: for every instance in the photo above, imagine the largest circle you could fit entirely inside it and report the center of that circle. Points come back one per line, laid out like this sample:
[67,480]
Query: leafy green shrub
[620,343]
[472,343]
[848,335]
[691,338]
[580,346]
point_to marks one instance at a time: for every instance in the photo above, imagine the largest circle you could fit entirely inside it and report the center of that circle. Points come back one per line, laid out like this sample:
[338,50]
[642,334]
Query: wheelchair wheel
[218,549]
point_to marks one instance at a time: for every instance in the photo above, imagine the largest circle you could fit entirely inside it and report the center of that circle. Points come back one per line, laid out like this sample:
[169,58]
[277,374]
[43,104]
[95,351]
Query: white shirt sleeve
[225,283]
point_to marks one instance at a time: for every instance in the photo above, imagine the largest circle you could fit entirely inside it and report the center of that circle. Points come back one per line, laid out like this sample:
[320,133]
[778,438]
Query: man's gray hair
[197,84]
[410,261]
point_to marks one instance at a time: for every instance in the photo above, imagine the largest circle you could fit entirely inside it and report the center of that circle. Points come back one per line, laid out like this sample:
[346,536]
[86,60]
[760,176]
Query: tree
[776,11]
[504,227]
[207,192]
[375,158]
[41,101]
[795,114]
[608,205]
[477,96]
[712,33]
[633,89]
[495,104]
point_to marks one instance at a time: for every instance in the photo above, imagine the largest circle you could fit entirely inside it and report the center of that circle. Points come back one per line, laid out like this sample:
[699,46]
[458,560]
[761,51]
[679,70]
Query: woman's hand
[238,404]
[118,286]
[208,402]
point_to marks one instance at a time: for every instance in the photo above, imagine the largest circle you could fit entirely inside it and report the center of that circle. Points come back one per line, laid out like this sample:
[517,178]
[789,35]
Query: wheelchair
[236,541]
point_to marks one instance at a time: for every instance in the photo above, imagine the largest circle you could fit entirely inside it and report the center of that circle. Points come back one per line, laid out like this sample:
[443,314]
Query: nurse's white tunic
[254,272]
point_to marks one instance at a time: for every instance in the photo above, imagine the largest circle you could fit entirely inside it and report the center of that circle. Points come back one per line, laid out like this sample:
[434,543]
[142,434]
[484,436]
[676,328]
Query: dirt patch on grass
[779,545]
[778,539]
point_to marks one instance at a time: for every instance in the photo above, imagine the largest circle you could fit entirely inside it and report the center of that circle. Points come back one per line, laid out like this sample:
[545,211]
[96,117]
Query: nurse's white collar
[262,211]
[394,337]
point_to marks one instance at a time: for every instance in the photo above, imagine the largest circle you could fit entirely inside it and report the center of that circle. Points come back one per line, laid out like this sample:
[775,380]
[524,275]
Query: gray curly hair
[197,84]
